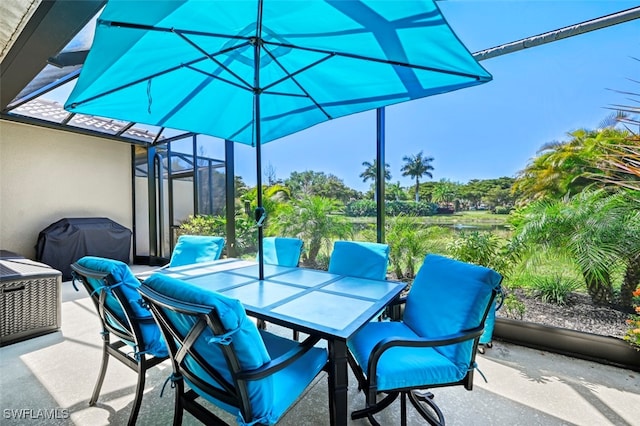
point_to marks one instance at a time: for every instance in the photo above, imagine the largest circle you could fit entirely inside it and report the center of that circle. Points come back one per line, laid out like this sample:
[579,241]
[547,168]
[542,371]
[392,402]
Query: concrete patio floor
[525,386]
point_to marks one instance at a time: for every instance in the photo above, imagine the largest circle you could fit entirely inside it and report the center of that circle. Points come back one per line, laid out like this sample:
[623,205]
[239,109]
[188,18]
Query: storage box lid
[10,269]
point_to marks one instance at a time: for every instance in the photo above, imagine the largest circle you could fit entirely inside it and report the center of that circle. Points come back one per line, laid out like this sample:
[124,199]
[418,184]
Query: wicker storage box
[29,300]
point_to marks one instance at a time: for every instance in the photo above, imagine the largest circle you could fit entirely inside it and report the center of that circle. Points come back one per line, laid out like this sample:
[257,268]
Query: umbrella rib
[133,83]
[217,77]
[143,27]
[293,95]
[372,59]
[169,70]
[208,55]
[291,76]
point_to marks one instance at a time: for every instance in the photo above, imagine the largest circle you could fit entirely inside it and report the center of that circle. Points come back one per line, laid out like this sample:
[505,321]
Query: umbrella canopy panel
[199,65]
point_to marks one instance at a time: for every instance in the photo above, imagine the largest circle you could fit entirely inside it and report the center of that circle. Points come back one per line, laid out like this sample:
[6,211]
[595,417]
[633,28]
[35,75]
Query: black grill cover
[67,240]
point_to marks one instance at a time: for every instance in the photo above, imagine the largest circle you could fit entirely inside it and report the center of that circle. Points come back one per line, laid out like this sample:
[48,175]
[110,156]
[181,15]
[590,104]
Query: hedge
[367,208]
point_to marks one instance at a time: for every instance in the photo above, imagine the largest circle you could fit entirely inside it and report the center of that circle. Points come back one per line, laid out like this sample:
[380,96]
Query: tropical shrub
[316,221]
[246,233]
[368,208]
[487,249]
[408,244]
[502,210]
[203,225]
[482,248]
[597,230]
[566,168]
[555,289]
[633,333]
[274,199]
[360,208]
[513,307]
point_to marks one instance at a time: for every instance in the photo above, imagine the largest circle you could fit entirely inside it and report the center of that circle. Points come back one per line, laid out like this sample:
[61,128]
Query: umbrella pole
[260,214]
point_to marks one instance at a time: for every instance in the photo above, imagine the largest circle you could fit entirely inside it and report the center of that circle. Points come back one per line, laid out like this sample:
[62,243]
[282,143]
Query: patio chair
[486,339]
[282,251]
[224,358]
[434,344]
[195,249]
[359,259]
[139,343]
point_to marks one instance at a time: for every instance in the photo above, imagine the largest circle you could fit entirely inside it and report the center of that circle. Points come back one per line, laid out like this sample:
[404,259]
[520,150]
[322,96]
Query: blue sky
[537,95]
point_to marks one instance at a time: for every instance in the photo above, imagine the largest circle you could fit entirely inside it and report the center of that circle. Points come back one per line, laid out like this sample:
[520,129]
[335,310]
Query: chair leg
[178,409]
[103,371]
[427,413]
[376,407]
[142,371]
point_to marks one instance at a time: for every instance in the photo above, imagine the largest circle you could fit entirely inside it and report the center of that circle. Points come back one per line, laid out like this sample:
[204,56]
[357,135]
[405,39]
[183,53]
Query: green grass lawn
[463,218]
[548,267]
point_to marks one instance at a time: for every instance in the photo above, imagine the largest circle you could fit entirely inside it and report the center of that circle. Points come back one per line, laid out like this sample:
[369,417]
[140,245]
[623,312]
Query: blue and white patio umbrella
[255,71]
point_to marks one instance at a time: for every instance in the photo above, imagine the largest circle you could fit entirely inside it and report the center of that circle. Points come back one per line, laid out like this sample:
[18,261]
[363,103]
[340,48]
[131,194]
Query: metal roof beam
[559,34]
[52,26]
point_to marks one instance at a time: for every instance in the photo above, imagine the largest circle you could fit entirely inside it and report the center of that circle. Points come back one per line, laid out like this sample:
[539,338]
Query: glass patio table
[319,303]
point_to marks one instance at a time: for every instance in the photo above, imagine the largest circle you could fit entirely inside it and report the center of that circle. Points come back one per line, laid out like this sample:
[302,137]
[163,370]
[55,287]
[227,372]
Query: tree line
[476,194]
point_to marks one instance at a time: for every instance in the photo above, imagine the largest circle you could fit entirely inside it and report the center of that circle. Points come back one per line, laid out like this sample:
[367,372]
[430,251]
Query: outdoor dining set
[210,318]
[251,73]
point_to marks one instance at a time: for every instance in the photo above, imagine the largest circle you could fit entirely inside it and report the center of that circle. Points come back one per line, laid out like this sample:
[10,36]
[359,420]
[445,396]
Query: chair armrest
[90,273]
[280,362]
[391,342]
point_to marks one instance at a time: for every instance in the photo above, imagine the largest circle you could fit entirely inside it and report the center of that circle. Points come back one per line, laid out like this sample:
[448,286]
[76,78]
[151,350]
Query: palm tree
[597,230]
[417,166]
[314,220]
[394,191]
[622,165]
[408,243]
[444,192]
[566,168]
[370,171]
[274,199]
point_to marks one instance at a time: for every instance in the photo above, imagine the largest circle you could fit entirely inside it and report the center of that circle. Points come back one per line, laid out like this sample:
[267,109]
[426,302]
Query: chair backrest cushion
[127,283]
[359,259]
[282,251]
[195,249]
[447,297]
[245,337]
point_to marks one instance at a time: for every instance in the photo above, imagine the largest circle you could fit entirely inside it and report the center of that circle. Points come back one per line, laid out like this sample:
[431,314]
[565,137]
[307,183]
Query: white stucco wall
[47,175]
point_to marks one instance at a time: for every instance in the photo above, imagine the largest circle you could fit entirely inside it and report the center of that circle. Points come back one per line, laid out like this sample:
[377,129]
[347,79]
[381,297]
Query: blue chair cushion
[446,297]
[489,325]
[270,397]
[402,367]
[282,251]
[360,259]
[195,249]
[153,341]
[290,382]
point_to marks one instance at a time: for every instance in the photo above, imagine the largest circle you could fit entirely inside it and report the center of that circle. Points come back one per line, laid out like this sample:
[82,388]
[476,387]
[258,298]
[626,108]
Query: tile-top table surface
[309,300]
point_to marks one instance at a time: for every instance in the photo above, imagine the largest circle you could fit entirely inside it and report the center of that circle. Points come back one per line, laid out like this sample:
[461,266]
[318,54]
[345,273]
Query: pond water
[454,223]
[475,227]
